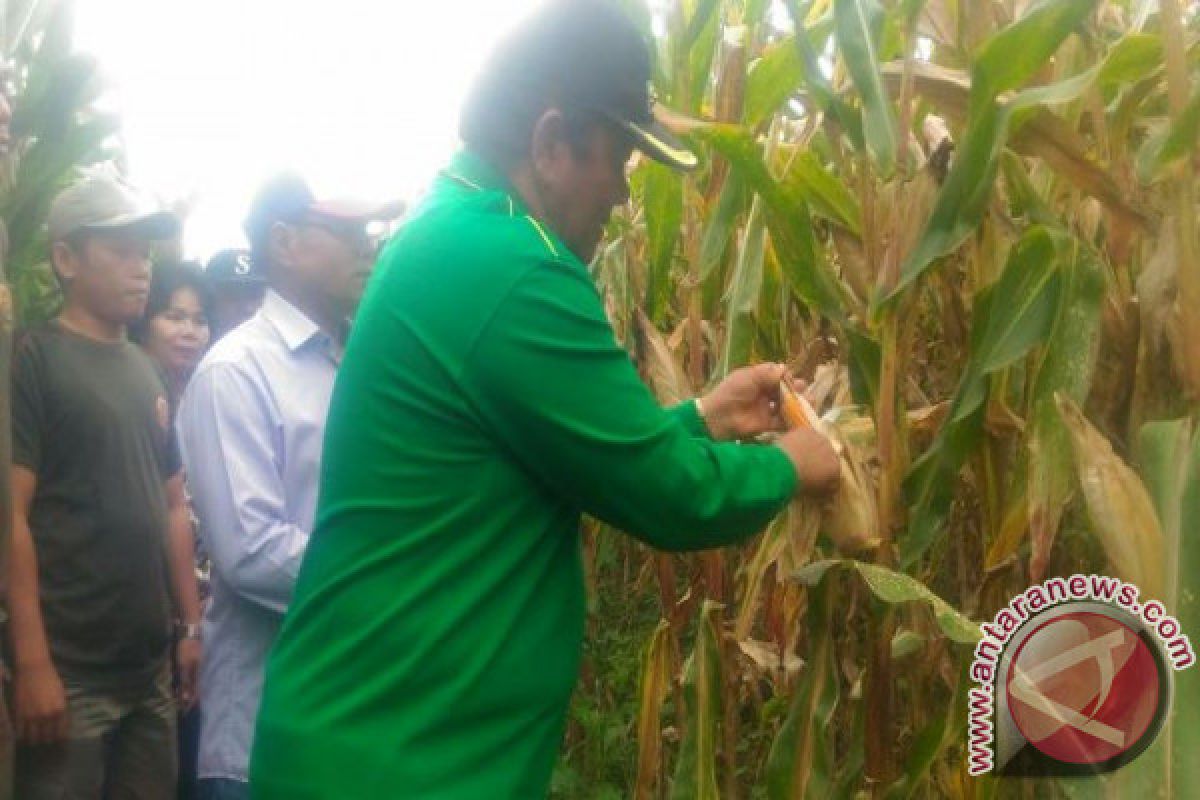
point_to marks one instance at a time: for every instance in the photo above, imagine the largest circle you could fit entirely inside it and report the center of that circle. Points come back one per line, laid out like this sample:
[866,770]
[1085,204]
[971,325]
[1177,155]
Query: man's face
[331,258]
[234,303]
[580,183]
[106,273]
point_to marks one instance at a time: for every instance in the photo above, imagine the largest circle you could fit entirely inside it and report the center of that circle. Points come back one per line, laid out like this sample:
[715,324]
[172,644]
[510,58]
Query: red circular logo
[1084,688]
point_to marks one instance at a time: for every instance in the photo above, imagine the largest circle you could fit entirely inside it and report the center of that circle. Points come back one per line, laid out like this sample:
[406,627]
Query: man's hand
[746,403]
[41,704]
[187,661]
[817,464]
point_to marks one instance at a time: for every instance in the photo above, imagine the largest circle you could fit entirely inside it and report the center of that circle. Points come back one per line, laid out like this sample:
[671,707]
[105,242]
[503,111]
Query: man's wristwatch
[187,630]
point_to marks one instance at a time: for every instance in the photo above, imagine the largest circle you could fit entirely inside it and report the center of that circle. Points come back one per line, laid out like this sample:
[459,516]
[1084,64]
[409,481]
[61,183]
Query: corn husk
[849,518]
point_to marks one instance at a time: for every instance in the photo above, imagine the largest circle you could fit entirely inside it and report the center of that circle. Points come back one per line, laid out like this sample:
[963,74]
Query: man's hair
[168,279]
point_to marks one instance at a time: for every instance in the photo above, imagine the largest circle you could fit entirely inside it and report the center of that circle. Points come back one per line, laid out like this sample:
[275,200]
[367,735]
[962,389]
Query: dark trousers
[189,749]
[222,789]
[119,748]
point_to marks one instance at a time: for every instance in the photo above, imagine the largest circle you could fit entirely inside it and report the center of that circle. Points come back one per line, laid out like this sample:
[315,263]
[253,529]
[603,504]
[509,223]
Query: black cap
[288,198]
[233,266]
[582,54]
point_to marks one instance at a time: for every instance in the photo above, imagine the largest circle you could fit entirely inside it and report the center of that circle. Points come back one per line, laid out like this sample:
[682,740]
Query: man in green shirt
[483,404]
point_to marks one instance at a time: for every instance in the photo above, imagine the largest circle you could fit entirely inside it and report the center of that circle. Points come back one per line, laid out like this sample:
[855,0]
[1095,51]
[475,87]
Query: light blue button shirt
[251,425]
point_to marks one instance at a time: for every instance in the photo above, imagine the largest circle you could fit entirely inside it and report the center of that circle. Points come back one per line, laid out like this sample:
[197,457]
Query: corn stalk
[974,234]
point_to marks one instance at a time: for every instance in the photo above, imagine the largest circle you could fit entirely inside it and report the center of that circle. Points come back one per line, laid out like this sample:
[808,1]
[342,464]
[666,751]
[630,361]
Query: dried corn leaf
[1122,513]
[656,682]
[663,371]
[766,657]
[770,549]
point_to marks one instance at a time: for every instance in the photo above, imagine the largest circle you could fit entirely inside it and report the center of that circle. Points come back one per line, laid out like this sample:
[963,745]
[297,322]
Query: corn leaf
[786,216]
[865,359]
[696,772]
[1007,60]
[1014,55]
[778,74]
[896,588]
[943,732]
[1172,145]
[858,46]
[825,194]
[800,763]
[663,202]
[704,32]
[744,291]
[1003,331]
[731,203]
[771,81]
[1037,131]
[1170,465]
[1134,57]
[1067,367]
[819,88]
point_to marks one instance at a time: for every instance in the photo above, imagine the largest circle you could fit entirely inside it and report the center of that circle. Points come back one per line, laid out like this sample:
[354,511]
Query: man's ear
[548,140]
[65,261]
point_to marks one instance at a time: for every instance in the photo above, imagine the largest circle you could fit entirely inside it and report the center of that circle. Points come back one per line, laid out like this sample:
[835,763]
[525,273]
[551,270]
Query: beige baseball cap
[107,204]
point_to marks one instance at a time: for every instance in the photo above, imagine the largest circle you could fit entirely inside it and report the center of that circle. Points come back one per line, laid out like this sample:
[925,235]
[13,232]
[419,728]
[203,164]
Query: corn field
[970,226]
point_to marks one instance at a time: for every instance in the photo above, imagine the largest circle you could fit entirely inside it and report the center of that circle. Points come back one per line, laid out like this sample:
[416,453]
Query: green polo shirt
[483,404]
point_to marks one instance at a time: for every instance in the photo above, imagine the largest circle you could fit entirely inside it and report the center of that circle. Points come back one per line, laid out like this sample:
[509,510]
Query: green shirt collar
[471,171]
[474,172]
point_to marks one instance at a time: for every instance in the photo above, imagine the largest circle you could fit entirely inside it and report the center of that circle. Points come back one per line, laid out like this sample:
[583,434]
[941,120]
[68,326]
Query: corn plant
[971,227]
[57,130]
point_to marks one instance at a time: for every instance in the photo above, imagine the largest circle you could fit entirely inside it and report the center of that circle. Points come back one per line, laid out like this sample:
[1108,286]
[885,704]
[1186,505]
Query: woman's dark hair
[168,279]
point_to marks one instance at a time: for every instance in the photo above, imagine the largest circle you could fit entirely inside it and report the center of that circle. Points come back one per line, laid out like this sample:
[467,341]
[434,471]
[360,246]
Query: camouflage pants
[119,748]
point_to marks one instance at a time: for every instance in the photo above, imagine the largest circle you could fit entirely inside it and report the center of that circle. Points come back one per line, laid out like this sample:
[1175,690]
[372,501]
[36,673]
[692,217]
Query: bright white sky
[360,96]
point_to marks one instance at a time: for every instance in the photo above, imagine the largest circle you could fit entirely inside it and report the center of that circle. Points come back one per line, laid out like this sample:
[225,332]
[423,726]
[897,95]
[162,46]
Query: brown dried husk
[1120,508]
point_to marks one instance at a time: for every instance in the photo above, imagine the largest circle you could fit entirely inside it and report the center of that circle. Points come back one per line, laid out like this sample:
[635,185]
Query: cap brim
[653,139]
[238,280]
[154,226]
[354,210]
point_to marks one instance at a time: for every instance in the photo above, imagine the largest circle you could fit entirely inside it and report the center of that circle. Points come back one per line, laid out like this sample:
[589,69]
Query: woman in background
[175,330]
[175,333]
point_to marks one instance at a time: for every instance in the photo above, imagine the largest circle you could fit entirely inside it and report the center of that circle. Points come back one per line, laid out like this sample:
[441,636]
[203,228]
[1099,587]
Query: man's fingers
[768,375]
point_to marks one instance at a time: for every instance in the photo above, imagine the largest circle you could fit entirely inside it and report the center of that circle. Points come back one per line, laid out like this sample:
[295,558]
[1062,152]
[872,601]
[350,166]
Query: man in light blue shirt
[251,425]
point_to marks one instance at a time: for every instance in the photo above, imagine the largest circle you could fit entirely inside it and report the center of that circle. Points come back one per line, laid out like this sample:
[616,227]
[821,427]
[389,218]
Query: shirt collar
[293,326]
[473,173]
[470,171]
